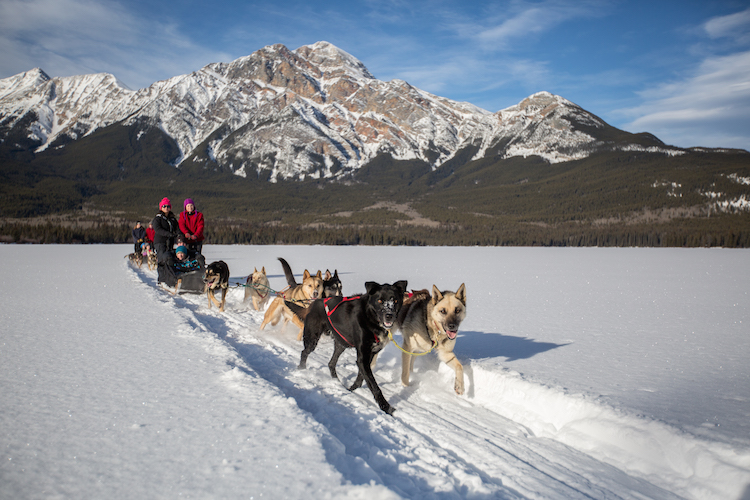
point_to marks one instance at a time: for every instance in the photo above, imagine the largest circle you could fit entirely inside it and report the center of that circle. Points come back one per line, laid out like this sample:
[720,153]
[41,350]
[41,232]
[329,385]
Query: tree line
[721,231]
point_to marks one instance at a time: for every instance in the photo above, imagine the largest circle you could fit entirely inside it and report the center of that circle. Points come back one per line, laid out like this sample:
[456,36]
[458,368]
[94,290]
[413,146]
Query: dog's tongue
[451,334]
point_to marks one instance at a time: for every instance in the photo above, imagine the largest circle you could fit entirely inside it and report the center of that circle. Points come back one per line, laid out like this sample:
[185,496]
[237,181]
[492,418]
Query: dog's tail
[288,273]
[298,310]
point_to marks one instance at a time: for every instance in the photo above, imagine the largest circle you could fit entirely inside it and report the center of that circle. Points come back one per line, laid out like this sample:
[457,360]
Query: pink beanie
[165,203]
[189,201]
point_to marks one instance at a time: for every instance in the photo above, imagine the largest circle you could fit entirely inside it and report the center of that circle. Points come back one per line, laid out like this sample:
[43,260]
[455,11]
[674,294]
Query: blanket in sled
[183,275]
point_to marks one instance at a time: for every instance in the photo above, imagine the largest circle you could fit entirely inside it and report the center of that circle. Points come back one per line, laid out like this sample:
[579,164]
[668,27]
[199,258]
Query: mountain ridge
[307,146]
[312,112]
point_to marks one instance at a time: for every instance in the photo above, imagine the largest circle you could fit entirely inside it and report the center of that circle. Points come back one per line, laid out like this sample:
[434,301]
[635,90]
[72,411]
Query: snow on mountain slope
[311,112]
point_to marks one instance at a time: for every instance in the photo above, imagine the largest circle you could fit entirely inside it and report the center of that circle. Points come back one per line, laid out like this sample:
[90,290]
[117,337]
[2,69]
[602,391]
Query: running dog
[151,260]
[361,322]
[136,259]
[310,289]
[258,289]
[428,322]
[216,277]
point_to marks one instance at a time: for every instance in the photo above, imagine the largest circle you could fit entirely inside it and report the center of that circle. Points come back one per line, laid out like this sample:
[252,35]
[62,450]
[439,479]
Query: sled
[186,281]
[191,282]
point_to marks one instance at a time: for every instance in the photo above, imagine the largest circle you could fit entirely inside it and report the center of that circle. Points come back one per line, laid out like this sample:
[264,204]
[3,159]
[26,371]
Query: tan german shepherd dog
[428,322]
[304,293]
[258,289]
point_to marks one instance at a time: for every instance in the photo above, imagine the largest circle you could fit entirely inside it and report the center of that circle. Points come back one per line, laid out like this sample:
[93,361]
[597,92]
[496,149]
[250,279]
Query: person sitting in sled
[185,261]
[179,262]
[146,249]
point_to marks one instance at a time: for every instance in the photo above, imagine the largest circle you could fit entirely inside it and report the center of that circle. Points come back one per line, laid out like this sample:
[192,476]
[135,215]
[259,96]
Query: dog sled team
[427,320]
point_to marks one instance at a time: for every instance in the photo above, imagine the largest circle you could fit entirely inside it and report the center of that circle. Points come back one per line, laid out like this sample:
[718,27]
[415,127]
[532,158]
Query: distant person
[166,229]
[150,233]
[139,236]
[146,248]
[191,225]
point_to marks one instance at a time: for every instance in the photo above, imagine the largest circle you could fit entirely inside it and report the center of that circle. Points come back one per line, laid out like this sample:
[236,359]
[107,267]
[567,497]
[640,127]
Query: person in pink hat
[166,229]
[191,225]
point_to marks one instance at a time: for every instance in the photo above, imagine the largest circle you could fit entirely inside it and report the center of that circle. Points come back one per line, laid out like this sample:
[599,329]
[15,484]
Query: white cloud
[68,37]
[709,108]
[736,26]
[522,19]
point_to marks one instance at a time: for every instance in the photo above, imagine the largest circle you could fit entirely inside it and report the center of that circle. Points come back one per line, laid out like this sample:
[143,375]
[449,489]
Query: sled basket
[191,282]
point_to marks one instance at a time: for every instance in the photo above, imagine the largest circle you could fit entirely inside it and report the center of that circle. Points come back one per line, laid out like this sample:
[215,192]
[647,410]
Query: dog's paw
[459,387]
[388,409]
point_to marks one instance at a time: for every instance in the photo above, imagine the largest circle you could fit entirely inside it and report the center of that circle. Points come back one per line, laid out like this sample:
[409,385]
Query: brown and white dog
[303,293]
[216,278]
[151,260]
[428,322]
[136,259]
[258,289]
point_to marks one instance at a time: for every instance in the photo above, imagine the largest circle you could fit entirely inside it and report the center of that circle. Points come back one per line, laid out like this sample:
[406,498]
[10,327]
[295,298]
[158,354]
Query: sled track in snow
[436,444]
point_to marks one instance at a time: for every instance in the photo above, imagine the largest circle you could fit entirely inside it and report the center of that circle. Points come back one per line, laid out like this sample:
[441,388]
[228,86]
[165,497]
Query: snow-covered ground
[591,373]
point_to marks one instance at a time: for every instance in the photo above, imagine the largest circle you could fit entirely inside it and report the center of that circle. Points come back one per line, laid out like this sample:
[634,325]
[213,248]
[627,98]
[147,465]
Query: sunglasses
[167,206]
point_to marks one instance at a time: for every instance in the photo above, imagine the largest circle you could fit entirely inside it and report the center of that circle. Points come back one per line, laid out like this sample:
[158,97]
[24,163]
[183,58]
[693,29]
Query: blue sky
[678,69]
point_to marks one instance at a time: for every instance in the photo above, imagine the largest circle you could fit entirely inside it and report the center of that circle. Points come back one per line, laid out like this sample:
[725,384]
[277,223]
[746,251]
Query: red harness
[329,312]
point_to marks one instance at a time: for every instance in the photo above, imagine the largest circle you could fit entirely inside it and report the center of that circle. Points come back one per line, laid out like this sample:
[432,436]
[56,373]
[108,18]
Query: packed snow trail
[438,445]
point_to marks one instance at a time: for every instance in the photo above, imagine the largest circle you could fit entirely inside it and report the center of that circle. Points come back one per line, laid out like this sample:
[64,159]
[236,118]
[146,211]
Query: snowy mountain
[313,112]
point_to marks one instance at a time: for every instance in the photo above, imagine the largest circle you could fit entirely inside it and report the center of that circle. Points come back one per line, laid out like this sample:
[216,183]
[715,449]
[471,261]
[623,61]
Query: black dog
[217,276]
[332,286]
[361,322]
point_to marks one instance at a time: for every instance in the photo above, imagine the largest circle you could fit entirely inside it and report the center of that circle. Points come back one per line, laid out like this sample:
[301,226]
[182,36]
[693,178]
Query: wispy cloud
[735,26]
[500,28]
[716,97]
[67,37]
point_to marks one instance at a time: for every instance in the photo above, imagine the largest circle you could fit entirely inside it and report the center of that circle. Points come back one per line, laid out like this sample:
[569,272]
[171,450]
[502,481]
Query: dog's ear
[336,273]
[256,270]
[263,270]
[371,287]
[320,276]
[461,294]
[436,295]
[306,274]
[328,275]
[401,285]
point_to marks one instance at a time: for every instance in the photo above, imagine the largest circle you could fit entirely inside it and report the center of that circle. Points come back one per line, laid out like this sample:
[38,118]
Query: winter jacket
[166,229]
[139,234]
[192,224]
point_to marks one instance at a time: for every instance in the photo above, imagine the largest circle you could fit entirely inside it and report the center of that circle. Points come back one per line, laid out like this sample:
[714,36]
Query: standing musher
[139,236]
[166,229]
[191,226]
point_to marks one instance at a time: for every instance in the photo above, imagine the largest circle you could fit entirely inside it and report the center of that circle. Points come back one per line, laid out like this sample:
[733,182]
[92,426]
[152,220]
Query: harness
[329,312]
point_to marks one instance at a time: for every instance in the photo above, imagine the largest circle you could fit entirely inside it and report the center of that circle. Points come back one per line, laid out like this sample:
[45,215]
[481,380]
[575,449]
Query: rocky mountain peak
[277,113]
[334,62]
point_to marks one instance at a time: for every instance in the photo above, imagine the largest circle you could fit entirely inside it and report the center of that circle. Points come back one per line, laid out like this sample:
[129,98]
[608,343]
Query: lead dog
[361,322]
[216,278]
[258,289]
[428,322]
